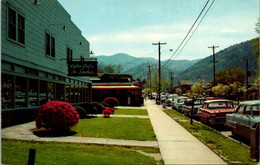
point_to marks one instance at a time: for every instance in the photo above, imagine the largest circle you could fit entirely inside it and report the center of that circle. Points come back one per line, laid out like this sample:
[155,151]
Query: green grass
[48,153]
[229,150]
[130,112]
[116,128]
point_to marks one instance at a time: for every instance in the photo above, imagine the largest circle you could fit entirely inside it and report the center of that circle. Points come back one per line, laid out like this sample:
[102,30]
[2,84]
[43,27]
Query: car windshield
[198,102]
[220,104]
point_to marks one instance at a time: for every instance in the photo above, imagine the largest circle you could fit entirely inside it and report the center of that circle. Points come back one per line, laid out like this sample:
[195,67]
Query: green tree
[230,75]
[119,68]
[221,90]
[109,69]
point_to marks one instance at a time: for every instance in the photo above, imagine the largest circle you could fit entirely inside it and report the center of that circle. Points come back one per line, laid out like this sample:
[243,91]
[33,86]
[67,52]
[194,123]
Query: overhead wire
[187,33]
[193,31]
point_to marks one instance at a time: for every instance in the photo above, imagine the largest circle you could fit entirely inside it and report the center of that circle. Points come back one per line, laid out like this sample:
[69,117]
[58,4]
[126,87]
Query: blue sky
[131,26]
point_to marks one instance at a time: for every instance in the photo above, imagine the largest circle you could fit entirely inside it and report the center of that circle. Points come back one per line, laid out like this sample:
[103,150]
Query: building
[37,42]
[119,86]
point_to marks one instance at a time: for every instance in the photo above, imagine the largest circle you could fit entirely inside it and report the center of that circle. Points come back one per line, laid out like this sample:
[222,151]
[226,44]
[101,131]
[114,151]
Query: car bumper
[217,121]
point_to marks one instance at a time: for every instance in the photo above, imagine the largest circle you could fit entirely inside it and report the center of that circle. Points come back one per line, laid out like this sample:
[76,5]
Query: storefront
[118,86]
[37,44]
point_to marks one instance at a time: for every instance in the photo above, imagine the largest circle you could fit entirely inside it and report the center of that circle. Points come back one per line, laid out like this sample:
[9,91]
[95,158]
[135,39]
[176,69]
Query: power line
[188,32]
[192,32]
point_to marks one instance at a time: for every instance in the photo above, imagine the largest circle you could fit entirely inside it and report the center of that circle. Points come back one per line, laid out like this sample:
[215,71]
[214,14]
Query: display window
[60,92]
[7,91]
[51,91]
[33,92]
[20,92]
[43,92]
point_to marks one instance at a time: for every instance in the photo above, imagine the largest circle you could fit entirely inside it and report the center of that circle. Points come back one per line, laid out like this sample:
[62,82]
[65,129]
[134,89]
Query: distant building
[119,86]
[37,42]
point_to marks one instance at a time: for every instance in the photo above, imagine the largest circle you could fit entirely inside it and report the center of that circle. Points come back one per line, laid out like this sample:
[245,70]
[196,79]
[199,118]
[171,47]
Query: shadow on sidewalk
[52,133]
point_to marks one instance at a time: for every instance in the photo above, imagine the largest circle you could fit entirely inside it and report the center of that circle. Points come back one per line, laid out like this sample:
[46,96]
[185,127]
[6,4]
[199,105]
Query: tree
[109,69]
[221,90]
[230,75]
[198,89]
[119,68]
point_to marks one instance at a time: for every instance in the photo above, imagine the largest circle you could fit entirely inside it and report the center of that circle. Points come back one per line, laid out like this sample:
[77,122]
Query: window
[69,54]
[240,109]
[49,45]
[33,92]
[16,26]
[7,91]
[20,92]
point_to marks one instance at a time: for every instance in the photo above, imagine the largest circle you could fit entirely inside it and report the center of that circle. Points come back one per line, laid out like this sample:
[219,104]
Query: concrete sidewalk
[177,145]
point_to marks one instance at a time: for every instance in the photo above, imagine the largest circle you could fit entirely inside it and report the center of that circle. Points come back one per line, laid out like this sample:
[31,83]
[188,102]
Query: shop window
[76,94]
[43,92]
[67,94]
[20,92]
[16,26]
[72,94]
[60,92]
[49,45]
[33,90]
[7,91]
[51,91]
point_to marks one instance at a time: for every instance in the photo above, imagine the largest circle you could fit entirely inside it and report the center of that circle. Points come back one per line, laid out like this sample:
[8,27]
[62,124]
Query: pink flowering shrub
[57,115]
[107,112]
[111,101]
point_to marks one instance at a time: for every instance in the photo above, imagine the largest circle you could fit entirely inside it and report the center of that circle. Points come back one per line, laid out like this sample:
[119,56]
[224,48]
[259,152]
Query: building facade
[37,42]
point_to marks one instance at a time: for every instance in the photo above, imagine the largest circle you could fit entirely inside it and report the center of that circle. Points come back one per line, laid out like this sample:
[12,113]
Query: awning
[116,87]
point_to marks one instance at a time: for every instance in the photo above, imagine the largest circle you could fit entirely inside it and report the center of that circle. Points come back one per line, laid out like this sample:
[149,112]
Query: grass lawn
[116,128]
[16,152]
[229,150]
[130,112]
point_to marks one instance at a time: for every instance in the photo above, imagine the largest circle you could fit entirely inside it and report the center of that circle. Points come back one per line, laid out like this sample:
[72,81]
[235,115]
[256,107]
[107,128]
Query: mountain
[137,66]
[235,55]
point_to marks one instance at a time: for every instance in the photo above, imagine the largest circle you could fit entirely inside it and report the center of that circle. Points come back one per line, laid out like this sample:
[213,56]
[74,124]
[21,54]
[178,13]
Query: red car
[213,112]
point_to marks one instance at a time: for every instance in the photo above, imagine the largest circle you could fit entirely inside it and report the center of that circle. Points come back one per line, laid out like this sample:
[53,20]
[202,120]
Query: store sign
[82,68]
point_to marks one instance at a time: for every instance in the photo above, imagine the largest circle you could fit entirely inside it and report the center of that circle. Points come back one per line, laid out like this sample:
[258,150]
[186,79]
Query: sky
[132,26]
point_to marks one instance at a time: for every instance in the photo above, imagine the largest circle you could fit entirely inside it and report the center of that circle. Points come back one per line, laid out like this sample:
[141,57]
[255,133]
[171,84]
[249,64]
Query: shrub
[57,115]
[100,107]
[90,109]
[107,112]
[81,111]
[111,101]
[105,104]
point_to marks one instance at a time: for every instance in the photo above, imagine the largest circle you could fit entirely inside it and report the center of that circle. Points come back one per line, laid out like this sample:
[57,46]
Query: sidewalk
[177,145]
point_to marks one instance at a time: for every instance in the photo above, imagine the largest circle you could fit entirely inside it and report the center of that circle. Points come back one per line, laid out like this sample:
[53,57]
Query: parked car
[213,112]
[246,116]
[170,99]
[187,107]
[179,102]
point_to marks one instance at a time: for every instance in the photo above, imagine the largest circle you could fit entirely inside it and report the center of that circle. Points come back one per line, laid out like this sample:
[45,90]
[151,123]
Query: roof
[116,87]
[251,102]
[216,100]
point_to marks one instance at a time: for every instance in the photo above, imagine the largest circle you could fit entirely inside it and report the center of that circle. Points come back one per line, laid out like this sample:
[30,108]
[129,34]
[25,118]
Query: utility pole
[171,81]
[248,74]
[214,61]
[149,77]
[159,69]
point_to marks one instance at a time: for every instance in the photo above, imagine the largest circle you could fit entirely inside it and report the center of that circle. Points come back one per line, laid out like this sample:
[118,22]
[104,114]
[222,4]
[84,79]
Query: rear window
[220,104]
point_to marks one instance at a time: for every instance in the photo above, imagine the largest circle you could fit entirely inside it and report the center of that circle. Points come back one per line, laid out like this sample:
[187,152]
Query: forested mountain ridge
[235,55]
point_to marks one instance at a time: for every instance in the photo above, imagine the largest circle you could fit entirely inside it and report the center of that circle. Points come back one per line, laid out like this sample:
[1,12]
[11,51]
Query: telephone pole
[149,77]
[159,69]
[214,61]
[171,82]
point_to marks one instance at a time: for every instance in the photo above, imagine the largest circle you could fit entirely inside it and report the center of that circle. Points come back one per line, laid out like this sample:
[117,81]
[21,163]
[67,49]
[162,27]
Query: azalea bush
[57,115]
[108,111]
[111,101]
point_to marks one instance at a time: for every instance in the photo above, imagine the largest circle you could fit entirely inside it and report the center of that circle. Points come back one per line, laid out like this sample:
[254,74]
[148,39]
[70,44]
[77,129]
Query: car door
[243,124]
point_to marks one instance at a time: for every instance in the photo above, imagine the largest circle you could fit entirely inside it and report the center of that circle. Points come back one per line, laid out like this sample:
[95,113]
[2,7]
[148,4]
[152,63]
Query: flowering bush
[111,101]
[57,115]
[107,112]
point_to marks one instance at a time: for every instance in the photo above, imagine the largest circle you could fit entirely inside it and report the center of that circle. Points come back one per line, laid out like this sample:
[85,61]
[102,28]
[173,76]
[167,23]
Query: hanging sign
[82,68]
